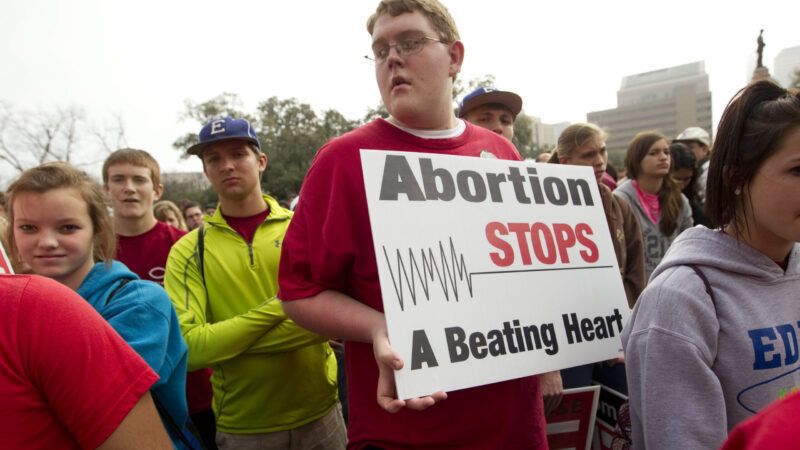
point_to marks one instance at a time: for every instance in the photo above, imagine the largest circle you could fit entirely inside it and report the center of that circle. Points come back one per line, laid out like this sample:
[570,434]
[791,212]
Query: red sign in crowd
[5,264]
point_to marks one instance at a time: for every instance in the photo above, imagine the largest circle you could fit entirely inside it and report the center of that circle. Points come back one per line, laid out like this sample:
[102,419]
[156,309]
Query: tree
[179,187]
[460,90]
[30,138]
[374,113]
[290,133]
[225,104]
[523,136]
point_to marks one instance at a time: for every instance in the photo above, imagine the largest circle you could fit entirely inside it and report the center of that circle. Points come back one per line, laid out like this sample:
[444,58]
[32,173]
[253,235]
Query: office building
[666,100]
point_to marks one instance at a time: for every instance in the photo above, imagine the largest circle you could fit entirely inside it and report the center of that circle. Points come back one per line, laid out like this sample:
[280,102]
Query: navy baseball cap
[224,129]
[487,95]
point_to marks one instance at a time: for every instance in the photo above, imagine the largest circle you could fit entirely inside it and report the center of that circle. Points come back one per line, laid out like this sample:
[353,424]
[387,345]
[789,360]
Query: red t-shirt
[247,226]
[774,428]
[329,246]
[67,380]
[146,254]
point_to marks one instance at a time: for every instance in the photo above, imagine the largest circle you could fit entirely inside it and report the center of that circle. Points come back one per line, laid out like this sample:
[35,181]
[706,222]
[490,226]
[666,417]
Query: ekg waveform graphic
[426,266]
[446,268]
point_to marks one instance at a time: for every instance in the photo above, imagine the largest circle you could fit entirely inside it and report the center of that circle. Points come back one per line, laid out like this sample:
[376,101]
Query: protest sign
[5,264]
[571,425]
[608,408]
[490,269]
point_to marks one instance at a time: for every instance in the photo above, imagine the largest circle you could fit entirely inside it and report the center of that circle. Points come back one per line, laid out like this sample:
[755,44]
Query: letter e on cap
[218,127]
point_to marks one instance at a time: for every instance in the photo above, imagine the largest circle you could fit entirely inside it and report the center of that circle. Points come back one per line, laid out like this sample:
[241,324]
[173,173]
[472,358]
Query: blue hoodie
[698,366]
[141,312]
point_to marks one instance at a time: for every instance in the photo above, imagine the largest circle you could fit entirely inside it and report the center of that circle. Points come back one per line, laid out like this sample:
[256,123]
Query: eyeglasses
[405,47]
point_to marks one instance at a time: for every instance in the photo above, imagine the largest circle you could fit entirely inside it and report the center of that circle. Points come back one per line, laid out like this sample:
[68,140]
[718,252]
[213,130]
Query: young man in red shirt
[328,274]
[132,179]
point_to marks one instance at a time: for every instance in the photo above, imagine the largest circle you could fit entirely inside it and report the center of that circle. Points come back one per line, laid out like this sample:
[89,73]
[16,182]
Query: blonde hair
[133,157]
[60,175]
[161,208]
[436,12]
[574,137]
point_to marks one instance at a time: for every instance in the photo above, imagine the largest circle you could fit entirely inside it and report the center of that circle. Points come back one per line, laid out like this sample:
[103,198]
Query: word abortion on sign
[489,269]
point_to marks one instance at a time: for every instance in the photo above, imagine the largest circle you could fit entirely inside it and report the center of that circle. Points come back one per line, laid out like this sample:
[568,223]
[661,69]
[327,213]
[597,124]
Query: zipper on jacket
[250,254]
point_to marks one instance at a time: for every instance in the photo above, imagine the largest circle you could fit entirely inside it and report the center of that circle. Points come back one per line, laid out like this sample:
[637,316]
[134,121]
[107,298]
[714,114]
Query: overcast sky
[143,59]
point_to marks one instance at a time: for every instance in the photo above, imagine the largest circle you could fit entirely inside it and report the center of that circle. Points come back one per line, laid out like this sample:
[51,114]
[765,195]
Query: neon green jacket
[269,373]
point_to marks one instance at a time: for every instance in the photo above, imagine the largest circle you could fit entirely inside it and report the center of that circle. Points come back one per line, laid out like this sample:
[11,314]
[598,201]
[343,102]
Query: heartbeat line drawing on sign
[448,268]
[442,268]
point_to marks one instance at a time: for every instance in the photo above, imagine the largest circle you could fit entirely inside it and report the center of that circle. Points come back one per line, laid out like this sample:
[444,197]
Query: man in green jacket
[274,382]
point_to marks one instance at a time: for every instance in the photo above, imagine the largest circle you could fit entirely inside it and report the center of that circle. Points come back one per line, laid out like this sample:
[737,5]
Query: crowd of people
[153,325]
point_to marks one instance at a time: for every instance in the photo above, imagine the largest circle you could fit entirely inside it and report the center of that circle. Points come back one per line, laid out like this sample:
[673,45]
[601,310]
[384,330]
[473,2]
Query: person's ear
[159,191]
[456,57]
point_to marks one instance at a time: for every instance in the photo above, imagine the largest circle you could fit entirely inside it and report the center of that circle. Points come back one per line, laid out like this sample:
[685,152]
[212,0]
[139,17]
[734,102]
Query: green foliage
[374,113]
[290,133]
[177,191]
[460,89]
[225,104]
[523,136]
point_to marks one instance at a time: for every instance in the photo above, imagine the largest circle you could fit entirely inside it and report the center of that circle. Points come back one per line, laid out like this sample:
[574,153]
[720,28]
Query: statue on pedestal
[761,72]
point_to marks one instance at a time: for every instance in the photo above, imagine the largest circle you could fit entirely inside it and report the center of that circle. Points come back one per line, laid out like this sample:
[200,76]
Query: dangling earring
[737,191]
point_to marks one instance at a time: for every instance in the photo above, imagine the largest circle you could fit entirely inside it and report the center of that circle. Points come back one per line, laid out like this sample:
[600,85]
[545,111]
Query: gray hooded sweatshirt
[655,241]
[698,367]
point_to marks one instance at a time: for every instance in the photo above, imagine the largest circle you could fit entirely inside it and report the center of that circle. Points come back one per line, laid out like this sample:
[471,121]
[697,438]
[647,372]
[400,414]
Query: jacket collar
[276,212]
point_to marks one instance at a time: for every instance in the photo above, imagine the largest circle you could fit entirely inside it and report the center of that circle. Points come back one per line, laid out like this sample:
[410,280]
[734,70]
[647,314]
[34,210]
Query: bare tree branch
[29,138]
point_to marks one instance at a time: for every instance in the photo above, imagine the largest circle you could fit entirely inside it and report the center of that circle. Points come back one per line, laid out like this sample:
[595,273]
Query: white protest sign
[489,269]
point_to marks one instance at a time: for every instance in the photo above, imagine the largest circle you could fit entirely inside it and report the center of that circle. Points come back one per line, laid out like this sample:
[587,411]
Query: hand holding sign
[388,361]
[552,390]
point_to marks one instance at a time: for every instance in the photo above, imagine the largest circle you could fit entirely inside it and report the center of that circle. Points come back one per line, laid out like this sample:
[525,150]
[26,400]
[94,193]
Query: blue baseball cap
[224,129]
[487,95]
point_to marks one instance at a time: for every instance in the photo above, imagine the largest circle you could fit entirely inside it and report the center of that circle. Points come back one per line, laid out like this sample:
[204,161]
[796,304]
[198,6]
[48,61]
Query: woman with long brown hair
[655,199]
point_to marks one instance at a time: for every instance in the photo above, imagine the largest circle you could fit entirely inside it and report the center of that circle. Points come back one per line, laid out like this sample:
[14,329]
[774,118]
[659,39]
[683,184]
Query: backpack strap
[702,276]
[199,258]
[201,233]
[170,422]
